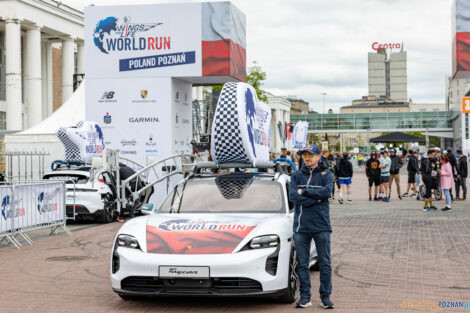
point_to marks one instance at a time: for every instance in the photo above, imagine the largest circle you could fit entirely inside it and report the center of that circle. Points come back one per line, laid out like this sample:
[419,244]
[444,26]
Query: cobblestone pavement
[383,254]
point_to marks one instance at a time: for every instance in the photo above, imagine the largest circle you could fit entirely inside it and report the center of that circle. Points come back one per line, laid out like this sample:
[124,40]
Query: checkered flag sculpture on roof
[82,142]
[241,126]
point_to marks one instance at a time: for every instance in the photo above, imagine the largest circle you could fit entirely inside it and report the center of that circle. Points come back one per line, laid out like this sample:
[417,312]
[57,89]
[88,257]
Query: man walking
[413,169]
[397,163]
[310,188]
[345,173]
[462,174]
[373,174]
[385,165]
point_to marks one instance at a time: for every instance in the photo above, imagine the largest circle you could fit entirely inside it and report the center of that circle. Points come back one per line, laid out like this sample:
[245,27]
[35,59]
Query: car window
[230,193]
[75,178]
[107,179]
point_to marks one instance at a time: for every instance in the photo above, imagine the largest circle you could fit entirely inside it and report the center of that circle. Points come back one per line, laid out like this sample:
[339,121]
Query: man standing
[397,163]
[324,157]
[462,173]
[345,173]
[413,169]
[385,165]
[429,172]
[310,188]
[373,174]
[283,153]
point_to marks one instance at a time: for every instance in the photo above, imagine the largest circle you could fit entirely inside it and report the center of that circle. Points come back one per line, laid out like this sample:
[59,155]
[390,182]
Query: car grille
[221,286]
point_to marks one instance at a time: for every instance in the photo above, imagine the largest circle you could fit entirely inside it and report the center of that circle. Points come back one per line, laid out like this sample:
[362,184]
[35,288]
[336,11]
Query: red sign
[377,46]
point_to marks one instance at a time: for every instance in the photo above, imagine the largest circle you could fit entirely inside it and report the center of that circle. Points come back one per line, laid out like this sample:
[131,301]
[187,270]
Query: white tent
[42,137]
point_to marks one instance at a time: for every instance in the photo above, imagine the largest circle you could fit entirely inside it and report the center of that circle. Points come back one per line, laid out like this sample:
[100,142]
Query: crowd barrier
[31,205]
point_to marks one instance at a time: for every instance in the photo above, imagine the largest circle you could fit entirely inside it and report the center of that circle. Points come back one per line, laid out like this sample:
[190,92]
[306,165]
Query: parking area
[384,254]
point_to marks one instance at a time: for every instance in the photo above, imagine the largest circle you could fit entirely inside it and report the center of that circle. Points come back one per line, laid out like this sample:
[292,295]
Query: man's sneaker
[303,303]
[375,198]
[433,208]
[426,209]
[380,198]
[370,198]
[446,209]
[405,195]
[399,197]
[412,195]
[349,201]
[340,200]
[326,303]
[386,199]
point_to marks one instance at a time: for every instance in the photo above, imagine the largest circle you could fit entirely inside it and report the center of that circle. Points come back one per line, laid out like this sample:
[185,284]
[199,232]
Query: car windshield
[230,193]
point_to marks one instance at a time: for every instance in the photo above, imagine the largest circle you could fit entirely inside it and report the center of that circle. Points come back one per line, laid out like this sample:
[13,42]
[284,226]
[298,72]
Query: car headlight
[127,241]
[268,241]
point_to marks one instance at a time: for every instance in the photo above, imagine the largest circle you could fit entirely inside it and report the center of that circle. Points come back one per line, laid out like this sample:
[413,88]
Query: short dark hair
[410,151]
[345,154]
[282,149]
[288,152]
[431,151]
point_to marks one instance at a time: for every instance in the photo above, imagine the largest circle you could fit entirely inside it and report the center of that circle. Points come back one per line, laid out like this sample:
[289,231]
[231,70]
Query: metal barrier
[31,205]
[24,164]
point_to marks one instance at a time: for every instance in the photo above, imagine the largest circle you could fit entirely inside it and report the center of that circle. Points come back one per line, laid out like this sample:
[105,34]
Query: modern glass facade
[378,121]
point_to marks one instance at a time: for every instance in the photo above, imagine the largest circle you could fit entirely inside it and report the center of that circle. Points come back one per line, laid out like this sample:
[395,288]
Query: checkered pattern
[227,140]
[233,186]
[72,151]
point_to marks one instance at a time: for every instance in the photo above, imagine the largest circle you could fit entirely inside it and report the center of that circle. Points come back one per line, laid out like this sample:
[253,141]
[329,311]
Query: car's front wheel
[293,279]
[108,210]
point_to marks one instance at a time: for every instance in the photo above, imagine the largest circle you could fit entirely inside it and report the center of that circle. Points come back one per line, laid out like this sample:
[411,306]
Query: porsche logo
[144,93]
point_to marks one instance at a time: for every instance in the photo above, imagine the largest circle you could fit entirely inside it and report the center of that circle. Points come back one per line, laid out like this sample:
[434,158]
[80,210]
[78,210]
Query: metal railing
[31,205]
[24,165]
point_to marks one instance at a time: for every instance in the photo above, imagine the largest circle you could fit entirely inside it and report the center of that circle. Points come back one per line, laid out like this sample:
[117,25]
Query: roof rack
[278,167]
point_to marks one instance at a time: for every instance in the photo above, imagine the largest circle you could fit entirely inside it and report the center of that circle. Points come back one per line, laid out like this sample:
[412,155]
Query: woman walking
[447,181]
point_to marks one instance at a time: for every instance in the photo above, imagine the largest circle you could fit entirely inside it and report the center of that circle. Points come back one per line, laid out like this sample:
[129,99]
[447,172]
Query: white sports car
[226,234]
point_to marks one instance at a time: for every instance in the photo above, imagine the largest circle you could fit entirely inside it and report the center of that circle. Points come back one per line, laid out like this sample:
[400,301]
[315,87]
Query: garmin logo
[144,120]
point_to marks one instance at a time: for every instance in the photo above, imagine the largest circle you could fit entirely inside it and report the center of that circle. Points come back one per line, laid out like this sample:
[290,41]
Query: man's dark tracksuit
[312,221]
[412,168]
[462,170]
[426,170]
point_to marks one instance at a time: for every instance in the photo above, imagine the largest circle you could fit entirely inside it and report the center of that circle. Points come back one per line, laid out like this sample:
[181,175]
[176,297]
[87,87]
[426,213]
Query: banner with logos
[167,40]
[299,135]
[241,126]
[82,142]
[30,205]
[461,39]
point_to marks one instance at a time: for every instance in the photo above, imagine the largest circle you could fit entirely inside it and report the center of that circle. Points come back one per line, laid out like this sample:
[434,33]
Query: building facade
[388,75]
[37,39]
[280,116]
[456,90]
[298,106]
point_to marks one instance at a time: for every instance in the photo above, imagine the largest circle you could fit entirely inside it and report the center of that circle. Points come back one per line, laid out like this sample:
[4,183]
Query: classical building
[298,106]
[41,48]
[280,116]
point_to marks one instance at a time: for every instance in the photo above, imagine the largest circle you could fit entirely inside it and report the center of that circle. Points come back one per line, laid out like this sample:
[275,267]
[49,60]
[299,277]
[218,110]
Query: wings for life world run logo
[113,34]
[46,203]
[191,225]
[255,119]
[7,212]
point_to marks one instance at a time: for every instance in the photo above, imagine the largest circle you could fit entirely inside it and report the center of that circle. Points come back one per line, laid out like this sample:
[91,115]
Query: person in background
[324,157]
[310,188]
[428,172]
[332,168]
[288,155]
[453,164]
[385,164]
[360,159]
[373,174]
[447,181]
[397,163]
[345,174]
[462,174]
[413,169]
[283,153]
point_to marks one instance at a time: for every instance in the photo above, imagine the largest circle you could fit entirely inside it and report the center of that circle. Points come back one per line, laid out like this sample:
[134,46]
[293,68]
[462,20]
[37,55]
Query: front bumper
[243,273]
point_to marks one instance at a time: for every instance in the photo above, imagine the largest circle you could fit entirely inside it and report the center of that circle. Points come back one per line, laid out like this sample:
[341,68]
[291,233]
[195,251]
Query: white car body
[207,253]
[85,194]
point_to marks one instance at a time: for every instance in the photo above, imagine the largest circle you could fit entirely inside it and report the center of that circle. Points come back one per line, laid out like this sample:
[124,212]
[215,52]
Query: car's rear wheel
[293,280]
[108,210]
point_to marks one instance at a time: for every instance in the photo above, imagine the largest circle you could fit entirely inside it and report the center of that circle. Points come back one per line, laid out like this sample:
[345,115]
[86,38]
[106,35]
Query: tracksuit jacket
[412,165]
[397,163]
[312,209]
[462,168]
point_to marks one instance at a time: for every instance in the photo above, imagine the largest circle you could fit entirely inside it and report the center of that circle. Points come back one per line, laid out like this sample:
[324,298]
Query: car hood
[199,234]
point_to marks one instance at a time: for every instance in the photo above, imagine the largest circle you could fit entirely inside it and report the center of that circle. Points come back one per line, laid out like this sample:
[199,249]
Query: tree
[256,77]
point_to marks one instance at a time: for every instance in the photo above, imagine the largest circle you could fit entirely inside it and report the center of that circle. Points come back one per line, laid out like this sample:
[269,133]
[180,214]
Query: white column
[13,74]
[67,69]
[80,59]
[33,75]
[50,95]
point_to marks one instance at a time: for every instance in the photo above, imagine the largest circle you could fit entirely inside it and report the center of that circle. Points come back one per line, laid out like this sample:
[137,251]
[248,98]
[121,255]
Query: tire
[438,194]
[315,267]
[422,191]
[290,294]
[108,211]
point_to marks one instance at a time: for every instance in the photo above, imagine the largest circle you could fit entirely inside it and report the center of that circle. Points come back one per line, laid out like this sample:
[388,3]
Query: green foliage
[338,146]
[256,77]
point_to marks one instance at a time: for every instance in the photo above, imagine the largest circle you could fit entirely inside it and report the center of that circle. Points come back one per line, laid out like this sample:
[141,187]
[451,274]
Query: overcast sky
[308,47]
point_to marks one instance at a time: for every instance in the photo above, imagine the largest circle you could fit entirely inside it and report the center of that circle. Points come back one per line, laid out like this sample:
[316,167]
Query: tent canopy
[397,137]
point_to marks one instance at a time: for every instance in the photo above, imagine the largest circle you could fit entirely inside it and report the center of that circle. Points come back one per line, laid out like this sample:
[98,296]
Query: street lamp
[323,94]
